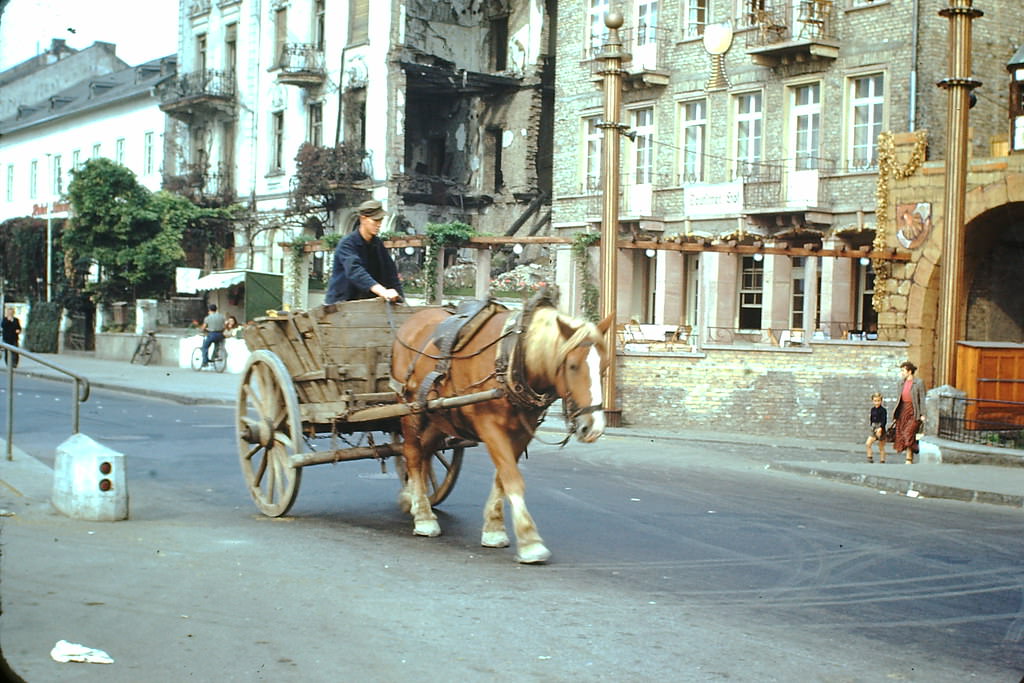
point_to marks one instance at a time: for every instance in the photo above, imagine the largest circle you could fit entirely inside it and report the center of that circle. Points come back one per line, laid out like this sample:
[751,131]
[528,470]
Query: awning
[219,280]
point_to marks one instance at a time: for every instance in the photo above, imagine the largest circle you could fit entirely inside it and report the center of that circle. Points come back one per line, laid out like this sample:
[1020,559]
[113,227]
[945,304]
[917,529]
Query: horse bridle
[573,409]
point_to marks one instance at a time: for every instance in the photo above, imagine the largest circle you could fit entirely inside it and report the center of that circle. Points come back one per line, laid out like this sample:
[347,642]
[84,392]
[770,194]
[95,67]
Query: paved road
[673,560]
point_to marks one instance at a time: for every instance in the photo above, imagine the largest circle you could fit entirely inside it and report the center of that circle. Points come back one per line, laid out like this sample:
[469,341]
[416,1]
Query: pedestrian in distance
[909,413]
[363,268]
[877,418]
[11,332]
[213,326]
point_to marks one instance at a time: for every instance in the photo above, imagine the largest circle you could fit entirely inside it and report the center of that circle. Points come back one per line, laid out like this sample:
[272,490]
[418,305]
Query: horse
[534,357]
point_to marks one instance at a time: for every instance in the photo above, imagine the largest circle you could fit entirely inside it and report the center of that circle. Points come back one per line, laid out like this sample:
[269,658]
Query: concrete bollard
[89,481]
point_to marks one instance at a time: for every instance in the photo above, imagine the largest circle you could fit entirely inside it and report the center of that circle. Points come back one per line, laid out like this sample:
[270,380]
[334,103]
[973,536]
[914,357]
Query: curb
[173,396]
[903,486]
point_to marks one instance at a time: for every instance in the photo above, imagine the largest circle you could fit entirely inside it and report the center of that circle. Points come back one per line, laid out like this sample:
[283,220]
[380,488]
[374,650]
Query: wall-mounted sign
[718,199]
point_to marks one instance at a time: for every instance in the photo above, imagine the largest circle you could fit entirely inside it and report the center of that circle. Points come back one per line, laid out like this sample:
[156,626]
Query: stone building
[442,111]
[752,132]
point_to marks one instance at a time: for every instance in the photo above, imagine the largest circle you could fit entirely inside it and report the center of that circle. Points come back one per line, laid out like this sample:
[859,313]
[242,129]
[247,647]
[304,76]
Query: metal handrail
[81,394]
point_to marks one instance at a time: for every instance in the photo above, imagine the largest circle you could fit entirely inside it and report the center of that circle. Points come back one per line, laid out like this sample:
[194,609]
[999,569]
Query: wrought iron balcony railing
[301,64]
[197,85]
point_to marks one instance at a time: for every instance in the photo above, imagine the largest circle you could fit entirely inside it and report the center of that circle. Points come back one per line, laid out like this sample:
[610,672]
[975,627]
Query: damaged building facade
[302,109]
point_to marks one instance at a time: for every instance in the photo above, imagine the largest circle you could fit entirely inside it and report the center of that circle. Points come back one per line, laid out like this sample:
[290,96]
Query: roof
[1018,57]
[93,92]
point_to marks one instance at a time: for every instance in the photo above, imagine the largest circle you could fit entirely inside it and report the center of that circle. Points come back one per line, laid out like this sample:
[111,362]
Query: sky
[141,29]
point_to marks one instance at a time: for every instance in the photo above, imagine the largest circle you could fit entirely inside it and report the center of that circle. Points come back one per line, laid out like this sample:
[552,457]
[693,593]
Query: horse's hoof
[494,539]
[536,554]
[427,528]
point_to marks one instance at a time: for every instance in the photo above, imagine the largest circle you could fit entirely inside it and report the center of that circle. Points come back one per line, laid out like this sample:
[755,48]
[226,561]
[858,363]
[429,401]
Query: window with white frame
[693,125]
[147,153]
[642,163]
[319,24]
[749,122]
[33,179]
[646,22]
[315,134]
[751,12]
[95,151]
[695,17]
[806,125]
[277,142]
[796,314]
[76,159]
[598,31]
[592,140]
[10,183]
[867,317]
[280,35]
[867,105]
[58,175]
[119,151]
[751,293]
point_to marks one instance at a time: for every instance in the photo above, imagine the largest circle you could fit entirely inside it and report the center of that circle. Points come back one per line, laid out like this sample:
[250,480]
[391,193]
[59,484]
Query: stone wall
[821,390]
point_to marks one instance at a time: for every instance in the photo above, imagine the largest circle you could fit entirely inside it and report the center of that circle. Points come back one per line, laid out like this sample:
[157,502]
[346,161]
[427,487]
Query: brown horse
[534,357]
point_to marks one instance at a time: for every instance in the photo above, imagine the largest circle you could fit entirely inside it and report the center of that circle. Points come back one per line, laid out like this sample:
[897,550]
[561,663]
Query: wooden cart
[314,380]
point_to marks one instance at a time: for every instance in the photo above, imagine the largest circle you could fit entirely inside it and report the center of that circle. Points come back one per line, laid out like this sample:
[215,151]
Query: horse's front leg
[530,548]
[413,497]
[494,534]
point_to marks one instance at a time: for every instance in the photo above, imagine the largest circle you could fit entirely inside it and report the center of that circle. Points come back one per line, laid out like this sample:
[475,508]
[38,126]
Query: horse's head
[583,357]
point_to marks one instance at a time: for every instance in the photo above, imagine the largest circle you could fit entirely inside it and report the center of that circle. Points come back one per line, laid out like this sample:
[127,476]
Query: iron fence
[982,421]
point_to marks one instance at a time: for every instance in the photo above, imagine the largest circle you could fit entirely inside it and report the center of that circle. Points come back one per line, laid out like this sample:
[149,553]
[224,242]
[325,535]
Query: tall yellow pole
[959,85]
[612,72]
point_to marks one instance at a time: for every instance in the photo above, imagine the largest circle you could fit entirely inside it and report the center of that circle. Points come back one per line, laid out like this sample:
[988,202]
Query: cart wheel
[445,465]
[269,429]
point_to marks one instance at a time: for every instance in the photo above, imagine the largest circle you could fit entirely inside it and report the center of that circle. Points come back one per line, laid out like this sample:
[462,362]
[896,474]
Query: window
[10,183]
[749,123]
[319,24]
[695,17]
[751,12]
[806,126]
[33,179]
[201,52]
[598,30]
[147,153]
[867,317]
[277,142]
[95,151]
[76,159]
[592,140]
[359,22]
[498,39]
[315,134]
[642,166]
[796,316]
[231,48]
[58,176]
[692,130]
[751,293]
[646,22]
[867,102]
[280,36]
[494,137]
[119,151]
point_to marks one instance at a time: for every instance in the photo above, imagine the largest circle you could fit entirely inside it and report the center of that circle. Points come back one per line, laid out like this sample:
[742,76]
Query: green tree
[137,237]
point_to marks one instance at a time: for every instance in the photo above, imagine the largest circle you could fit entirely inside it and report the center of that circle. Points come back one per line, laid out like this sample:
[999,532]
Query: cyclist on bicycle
[213,326]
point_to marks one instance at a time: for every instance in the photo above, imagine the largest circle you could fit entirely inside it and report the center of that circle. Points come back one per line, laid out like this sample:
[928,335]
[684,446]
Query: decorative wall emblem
[913,224]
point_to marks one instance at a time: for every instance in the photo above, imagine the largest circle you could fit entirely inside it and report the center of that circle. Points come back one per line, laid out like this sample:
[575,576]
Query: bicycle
[146,349]
[220,358]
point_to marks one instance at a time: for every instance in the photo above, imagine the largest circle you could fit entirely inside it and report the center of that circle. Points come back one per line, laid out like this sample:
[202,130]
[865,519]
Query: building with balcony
[779,150]
[300,110]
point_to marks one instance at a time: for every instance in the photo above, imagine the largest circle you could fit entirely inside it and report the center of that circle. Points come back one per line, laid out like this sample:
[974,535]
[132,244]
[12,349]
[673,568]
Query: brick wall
[821,391]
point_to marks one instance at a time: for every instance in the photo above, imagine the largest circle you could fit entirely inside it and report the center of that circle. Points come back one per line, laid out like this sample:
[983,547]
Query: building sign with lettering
[711,200]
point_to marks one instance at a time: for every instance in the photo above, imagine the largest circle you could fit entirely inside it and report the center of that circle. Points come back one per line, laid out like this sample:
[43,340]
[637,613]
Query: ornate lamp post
[959,85]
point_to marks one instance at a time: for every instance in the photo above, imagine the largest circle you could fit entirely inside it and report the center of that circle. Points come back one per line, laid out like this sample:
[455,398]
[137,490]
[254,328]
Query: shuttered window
[359,26]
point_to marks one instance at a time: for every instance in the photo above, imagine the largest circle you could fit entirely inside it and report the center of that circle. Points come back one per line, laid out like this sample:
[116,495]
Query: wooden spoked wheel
[445,465]
[269,433]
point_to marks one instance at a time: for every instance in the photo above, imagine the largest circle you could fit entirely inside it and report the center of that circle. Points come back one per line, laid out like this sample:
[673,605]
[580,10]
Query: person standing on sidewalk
[213,325]
[909,413]
[11,331]
[363,268]
[878,419]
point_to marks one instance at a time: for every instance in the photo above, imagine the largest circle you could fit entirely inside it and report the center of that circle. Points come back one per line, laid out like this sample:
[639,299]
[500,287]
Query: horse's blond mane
[544,345]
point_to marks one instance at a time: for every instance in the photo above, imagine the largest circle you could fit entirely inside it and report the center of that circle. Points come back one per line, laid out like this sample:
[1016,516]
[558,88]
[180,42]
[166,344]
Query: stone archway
[993,261]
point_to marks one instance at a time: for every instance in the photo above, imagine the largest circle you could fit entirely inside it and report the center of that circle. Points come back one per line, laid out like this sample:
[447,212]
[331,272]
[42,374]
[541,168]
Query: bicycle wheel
[197,359]
[220,360]
[148,350]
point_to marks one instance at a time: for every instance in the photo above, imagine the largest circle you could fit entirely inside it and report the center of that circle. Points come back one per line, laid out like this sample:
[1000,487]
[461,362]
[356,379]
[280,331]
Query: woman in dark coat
[909,413]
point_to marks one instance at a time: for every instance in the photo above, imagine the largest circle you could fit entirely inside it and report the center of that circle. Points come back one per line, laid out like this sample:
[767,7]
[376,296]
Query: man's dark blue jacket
[358,265]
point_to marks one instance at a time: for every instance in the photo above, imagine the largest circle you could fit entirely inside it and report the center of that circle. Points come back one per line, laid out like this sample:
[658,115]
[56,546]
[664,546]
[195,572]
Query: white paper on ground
[64,651]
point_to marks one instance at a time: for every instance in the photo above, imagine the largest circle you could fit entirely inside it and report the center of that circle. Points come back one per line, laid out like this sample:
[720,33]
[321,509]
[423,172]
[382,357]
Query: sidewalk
[998,479]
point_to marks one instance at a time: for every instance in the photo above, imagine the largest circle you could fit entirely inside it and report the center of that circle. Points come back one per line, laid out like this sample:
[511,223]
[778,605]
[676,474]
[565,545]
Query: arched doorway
[993,268]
